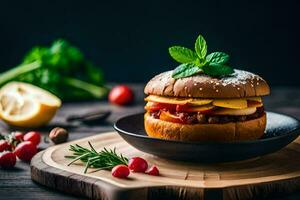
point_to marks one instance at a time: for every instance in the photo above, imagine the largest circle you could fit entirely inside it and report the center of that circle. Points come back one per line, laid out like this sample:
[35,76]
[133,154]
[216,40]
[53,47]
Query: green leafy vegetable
[186,69]
[60,69]
[216,69]
[193,62]
[217,57]
[200,47]
[182,54]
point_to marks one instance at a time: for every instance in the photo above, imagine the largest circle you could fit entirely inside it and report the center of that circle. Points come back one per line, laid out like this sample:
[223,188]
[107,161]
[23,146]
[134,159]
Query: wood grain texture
[273,174]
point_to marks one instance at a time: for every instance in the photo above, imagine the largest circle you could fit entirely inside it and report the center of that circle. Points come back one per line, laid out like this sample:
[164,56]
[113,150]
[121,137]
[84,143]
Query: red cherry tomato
[121,95]
[153,171]
[7,159]
[137,164]
[4,146]
[25,150]
[18,135]
[33,136]
[120,171]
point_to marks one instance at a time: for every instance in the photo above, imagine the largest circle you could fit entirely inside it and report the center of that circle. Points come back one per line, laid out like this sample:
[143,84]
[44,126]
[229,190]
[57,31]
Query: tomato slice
[152,106]
[166,116]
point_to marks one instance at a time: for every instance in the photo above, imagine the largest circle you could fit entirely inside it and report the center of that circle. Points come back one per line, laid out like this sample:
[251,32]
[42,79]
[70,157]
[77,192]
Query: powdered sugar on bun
[239,84]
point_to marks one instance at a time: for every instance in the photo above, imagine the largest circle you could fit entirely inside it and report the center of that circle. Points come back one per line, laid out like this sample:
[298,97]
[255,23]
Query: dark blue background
[129,39]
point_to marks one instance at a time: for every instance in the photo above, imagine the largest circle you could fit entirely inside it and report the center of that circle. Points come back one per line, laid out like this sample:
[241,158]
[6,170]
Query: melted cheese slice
[231,103]
[200,102]
[258,99]
[177,101]
[254,104]
[241,103]
[230,111]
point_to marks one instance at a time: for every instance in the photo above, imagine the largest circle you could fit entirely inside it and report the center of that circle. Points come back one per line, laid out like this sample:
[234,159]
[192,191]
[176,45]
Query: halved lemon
[25,105]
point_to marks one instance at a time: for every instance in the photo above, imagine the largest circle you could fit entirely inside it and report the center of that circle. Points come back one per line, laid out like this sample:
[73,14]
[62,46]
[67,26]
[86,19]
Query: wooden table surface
[17,184]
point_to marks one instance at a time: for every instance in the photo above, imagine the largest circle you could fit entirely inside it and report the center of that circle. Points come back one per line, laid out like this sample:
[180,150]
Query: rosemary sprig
[104,159]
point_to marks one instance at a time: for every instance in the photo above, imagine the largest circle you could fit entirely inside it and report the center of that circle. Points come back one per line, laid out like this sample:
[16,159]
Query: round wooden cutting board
[273,174]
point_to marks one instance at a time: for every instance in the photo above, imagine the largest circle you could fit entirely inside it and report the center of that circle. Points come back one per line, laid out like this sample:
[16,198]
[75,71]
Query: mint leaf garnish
[217,57]
[200,62]
[182,54]
[193,62]
[216,69]
[200,47]
[185,70]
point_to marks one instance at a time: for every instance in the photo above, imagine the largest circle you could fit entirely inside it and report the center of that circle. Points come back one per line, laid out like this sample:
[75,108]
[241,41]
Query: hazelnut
[58,135]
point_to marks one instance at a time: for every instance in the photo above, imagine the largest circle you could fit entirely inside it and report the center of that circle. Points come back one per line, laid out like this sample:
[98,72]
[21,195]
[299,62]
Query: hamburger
[203,106]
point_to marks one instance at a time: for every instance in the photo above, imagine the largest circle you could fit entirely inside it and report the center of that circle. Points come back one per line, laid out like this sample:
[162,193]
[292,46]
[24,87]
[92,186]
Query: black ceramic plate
[281,130]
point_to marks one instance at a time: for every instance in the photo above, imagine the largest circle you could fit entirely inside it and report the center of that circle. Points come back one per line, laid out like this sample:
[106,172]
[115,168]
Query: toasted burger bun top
[238,85]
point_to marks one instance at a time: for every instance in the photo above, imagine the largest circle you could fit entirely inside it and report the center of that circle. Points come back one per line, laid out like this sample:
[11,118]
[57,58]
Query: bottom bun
[233,131]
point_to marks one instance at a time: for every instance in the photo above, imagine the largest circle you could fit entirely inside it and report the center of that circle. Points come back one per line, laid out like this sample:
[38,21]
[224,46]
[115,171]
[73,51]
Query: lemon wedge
[25,105]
